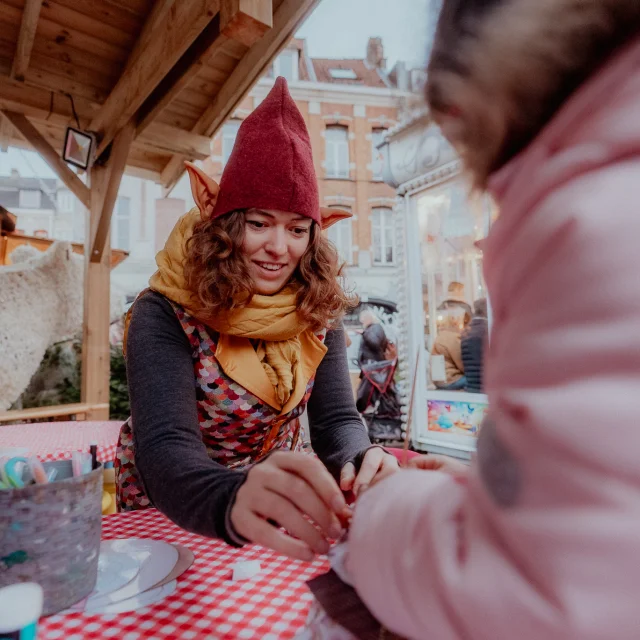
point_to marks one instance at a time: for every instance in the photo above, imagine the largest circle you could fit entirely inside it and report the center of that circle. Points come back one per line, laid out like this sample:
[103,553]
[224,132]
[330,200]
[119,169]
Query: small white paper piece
[245,570]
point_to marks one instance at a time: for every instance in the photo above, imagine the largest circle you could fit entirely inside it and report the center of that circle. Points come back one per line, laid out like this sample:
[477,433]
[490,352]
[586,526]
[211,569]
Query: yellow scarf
[287,354]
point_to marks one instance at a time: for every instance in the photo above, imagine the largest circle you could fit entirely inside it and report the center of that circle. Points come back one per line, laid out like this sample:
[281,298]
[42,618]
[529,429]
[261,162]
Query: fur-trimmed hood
[500,69]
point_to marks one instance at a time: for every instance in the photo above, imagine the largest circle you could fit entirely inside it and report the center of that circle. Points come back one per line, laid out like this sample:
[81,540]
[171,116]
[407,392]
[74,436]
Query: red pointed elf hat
[271,166]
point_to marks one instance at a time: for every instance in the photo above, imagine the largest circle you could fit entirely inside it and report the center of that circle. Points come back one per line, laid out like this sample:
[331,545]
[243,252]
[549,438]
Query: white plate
[137,602]
[155,558]
[115,570]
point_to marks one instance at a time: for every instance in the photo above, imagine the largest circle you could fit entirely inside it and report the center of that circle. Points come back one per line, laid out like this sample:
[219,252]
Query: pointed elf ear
[204,190]
[330,216]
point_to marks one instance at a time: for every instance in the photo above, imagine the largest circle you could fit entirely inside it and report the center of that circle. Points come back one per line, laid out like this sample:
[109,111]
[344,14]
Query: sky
[336,29]
[341,29]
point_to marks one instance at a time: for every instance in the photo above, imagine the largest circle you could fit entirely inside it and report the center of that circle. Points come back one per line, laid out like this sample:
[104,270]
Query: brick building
[347,106]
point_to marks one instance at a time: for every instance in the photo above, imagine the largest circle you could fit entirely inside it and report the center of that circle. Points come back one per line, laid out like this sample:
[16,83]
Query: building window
[337,142]
[341,235]
[121,228]
[383,232]
[376,155]
[229,133]
[343,74]
[65,201]
[286,64]
[30,199]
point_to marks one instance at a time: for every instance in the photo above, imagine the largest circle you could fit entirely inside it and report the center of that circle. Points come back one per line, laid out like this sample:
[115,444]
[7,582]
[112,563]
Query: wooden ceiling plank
[50,30]
[26,37]
[108,13]
[62,85]
[287,18]
[63,53]
[36,102]
[171,38]
[175,119]
[136,7]
[49,155]
[206,46]
[117,163]
[246,21]
[77,21]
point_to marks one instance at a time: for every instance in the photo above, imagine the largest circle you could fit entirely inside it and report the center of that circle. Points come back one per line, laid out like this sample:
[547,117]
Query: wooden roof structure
[152,79]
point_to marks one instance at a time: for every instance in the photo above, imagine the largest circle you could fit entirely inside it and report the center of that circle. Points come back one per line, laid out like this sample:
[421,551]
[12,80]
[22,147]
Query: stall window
[453,288]
[376,155]
[341,235]
[382,226]
[337,151]
[229,133]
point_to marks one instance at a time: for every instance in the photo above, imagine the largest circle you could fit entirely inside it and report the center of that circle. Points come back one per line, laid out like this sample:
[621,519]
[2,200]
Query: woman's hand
[433,462]
[283,489]
[376,465]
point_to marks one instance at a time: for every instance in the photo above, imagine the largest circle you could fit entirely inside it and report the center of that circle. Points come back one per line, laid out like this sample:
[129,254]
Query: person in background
[474,342]
[374,341]
[7,220]
[448,344]
[540,539]
[456,300]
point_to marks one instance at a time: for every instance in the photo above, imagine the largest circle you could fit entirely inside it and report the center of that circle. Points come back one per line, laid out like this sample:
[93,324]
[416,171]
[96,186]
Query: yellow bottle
[109,489]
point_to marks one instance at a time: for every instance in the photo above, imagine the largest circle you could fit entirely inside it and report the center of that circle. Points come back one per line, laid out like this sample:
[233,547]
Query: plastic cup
[20,609]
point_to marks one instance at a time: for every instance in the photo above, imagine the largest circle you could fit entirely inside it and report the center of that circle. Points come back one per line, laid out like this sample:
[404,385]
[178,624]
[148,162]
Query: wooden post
[117,163]
[95,329]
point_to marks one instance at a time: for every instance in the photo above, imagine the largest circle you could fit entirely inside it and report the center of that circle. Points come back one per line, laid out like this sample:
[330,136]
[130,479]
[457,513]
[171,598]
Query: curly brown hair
[217,270]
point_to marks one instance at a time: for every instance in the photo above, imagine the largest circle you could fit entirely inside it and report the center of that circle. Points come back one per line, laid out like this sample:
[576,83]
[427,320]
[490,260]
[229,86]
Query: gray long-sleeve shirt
[179,477]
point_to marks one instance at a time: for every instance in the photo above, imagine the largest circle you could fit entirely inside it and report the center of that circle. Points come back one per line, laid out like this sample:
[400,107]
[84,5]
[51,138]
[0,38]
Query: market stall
[441,286]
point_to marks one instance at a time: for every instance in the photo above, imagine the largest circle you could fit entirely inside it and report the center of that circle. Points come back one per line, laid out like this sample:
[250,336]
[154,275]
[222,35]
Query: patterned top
[237,428]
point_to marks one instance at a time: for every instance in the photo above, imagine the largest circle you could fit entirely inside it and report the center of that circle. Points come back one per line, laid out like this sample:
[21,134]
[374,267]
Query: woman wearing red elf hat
[238,333]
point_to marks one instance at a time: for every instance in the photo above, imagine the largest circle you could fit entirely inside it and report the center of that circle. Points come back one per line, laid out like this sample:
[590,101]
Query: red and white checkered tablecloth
[207,603]
[56,440]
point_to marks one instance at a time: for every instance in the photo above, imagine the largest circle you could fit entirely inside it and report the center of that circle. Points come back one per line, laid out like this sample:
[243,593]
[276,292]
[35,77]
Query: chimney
[375,54]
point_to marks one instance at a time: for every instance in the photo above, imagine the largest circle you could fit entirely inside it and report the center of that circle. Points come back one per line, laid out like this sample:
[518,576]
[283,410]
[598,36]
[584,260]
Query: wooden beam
[167,139]
[158,13]
[117,163]
[246,20]
[30,15]
[49,155]
[201,53]
[96,354]
[286,20]
[6,133]
[172,36]
[35,104]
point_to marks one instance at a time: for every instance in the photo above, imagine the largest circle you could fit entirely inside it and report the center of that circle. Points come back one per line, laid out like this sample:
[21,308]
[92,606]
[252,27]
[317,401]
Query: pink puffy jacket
[543,540]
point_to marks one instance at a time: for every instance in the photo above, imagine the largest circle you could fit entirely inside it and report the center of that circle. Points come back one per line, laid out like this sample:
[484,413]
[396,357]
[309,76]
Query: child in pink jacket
[541,539]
